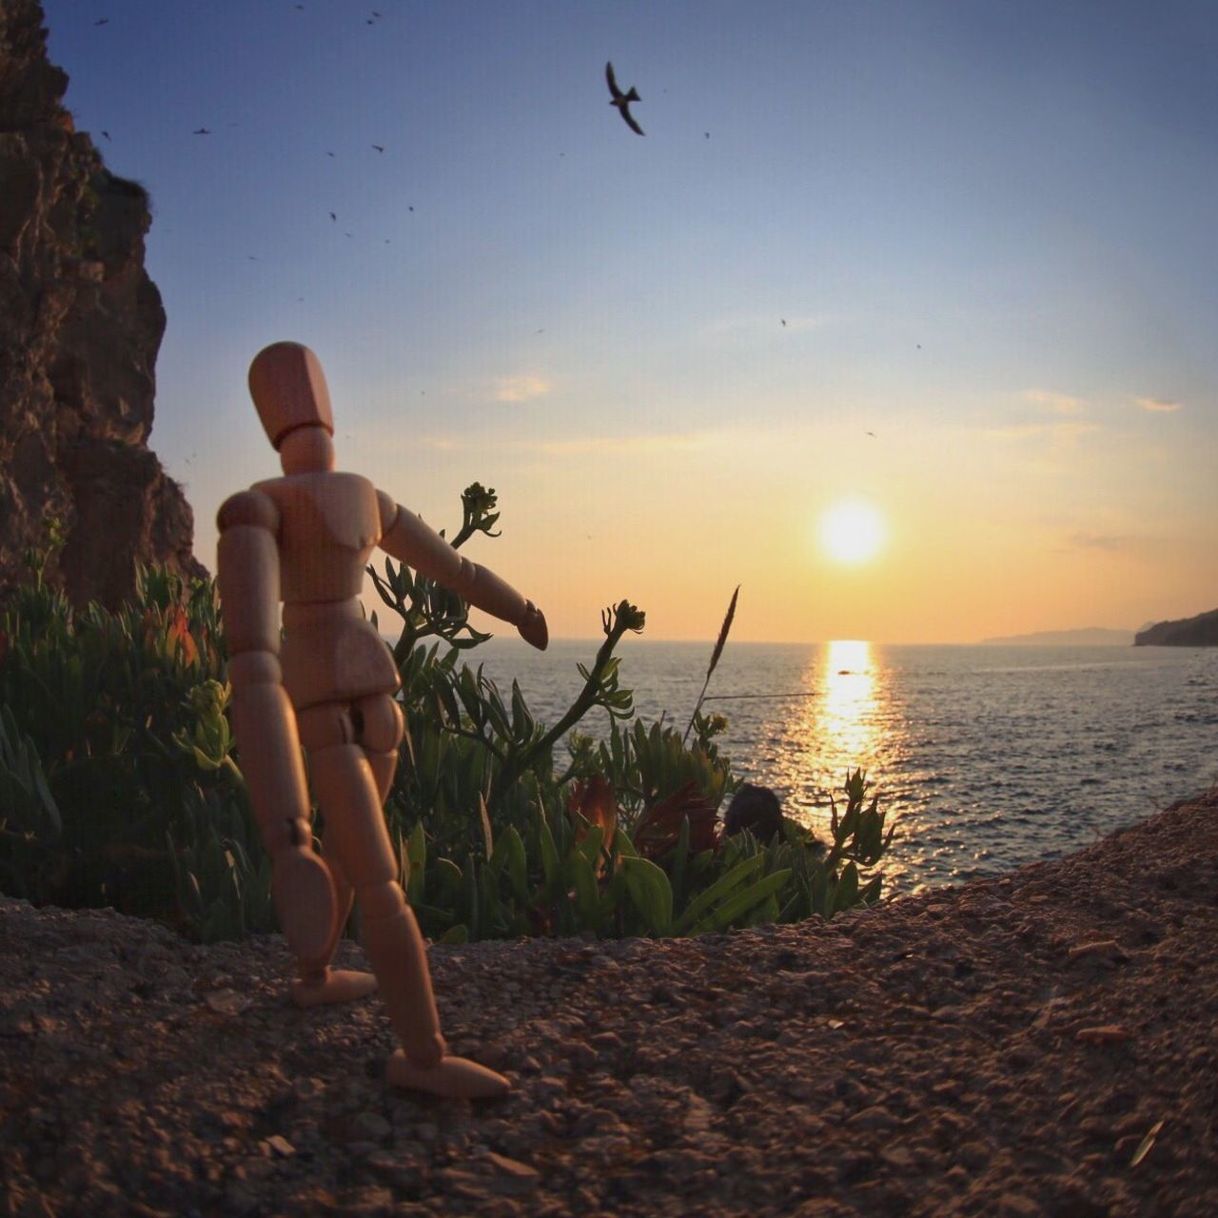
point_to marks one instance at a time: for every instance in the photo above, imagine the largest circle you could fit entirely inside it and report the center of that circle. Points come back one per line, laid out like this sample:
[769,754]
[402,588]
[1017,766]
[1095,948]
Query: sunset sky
[956,262]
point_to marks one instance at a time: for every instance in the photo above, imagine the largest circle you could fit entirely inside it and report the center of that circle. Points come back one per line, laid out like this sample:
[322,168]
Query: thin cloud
[1055,403]
[1063,432]
[1158,405]
[520,388]
[1125,545]
[1111,543]
[637,445]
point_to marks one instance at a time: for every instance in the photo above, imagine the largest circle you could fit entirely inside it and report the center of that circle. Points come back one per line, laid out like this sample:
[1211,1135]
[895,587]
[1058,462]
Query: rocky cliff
[80,326]
[1199,631]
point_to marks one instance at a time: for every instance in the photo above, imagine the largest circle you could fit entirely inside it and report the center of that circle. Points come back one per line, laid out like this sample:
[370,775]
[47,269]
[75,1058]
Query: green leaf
[517,863]
[416,865]
[740,904]
[717,891]
[488,836]
[449,880]
[549,852]
[847,889]
[583,880]
[650,891]
[590,847]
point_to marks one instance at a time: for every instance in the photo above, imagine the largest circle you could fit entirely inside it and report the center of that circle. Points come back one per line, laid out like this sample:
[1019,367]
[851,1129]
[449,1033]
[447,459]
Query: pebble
[280,1146]
[512,1175]
[876,1117]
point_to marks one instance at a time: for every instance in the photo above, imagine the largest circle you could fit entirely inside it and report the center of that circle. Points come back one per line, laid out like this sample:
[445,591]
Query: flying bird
[203,131]
[622,100]
[107,135]
[333,216]
[378,147]
[102,21]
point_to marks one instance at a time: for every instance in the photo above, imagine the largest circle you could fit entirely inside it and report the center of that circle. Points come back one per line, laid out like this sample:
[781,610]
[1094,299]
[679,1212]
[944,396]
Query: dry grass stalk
[714,660]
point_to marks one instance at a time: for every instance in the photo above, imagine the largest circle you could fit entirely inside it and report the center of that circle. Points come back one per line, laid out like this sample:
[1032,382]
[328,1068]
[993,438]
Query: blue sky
[987,227]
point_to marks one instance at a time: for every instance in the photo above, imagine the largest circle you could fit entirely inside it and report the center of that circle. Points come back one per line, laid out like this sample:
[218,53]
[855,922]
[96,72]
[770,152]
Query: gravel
[1038,1044]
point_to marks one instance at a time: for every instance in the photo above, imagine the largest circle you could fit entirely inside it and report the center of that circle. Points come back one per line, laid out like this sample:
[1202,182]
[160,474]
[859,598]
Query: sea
[986,757]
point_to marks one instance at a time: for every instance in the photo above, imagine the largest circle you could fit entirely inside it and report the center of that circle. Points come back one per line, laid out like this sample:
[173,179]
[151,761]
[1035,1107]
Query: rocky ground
[1039,1044]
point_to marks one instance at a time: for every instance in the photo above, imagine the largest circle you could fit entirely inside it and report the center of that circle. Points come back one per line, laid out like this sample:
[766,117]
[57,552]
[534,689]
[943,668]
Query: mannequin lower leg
[322,984]
[346,790]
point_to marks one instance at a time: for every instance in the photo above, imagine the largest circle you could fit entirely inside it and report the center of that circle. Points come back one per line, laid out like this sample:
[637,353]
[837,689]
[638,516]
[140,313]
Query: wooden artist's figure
[329,686]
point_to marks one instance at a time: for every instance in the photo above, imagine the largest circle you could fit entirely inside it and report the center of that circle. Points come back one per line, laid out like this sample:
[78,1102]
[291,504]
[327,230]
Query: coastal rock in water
[80,327]
[1199,631]
[756,809]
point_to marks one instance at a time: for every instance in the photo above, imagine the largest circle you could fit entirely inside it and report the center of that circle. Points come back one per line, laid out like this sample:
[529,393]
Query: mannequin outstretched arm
[406,538]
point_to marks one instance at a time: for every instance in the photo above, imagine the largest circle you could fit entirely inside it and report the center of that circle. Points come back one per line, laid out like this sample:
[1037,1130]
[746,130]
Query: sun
[852,531]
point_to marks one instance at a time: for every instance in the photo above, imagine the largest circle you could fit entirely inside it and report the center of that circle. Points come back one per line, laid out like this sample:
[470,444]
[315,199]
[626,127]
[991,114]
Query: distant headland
[1199,631]
[1092,636]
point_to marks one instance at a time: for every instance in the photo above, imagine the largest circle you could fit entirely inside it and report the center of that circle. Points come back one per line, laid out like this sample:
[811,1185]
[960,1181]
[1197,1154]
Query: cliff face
[1199,631]
[80,327]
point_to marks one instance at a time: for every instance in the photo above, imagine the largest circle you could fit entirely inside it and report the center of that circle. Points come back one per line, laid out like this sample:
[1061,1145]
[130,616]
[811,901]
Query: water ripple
[989,757]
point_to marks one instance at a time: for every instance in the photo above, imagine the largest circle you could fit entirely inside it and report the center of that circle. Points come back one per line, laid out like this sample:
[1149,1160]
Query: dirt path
[1039,1044]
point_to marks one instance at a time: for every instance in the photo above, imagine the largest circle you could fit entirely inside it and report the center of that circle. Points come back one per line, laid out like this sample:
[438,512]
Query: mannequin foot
[455,1078]
[335,985]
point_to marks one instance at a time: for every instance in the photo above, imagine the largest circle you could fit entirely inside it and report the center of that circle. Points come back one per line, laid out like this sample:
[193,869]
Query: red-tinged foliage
[176,626]
[659,828]
[595,802]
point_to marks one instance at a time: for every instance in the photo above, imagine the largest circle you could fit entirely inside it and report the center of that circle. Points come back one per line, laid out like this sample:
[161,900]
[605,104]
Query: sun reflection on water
[839,726]
[847,720]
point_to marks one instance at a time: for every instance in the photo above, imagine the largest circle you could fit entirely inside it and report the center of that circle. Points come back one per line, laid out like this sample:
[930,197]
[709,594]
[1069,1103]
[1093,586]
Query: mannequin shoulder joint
[248,508]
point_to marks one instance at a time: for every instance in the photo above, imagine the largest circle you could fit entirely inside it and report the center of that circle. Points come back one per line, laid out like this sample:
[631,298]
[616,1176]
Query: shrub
[120,784]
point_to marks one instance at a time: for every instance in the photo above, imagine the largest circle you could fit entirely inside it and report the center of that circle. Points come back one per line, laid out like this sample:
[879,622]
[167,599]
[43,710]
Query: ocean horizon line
[643,640]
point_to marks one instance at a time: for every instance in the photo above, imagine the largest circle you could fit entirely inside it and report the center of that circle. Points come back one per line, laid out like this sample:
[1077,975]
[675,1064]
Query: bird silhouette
[106,134]
[333,217]
[378,147]
[102,21]
[622,100]
[783,320]
[202,131]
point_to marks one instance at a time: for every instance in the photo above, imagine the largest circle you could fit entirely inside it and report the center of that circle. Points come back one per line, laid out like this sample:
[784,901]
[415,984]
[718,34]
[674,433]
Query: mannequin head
[289,391]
